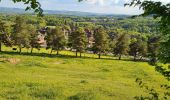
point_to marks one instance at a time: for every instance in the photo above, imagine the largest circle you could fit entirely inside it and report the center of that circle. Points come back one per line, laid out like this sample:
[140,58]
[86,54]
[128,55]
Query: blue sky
[97,6]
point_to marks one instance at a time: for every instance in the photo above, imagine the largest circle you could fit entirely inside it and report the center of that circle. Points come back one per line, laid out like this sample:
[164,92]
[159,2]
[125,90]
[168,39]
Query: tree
[79,40]
[5,32]
[153,48]
[33,37]
[101,44]
[56,39]
[21,34]
[67,31]
[2,29]
[41,22]
[162,11]
[138,46]
[122,45]
[113,35]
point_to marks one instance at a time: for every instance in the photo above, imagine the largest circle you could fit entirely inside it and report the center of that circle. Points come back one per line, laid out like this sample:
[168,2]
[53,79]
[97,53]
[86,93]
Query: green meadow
[64,77]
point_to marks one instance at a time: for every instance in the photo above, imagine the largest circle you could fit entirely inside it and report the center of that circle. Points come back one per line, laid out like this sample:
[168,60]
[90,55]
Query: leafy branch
[32,5]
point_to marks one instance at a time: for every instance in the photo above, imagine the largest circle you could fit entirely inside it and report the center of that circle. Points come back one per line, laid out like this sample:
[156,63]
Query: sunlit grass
[41,77]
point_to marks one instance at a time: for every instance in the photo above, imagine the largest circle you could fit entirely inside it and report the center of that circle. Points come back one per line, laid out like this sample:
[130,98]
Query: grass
[44,77]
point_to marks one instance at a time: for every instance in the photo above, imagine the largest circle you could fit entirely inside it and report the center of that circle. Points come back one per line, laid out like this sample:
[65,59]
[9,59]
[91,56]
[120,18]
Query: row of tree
[118,42]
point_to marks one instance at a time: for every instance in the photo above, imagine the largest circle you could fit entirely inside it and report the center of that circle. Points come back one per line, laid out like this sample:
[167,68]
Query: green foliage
[101,44]
[152,93]
[5,32]
[153,48]
[79,40]
[158,10]
[2,28]
[138,46]
[122,45]
[112,27]
[32,30]
[41,22]
[164,54]
[56,39]
[20,34]
[164,71]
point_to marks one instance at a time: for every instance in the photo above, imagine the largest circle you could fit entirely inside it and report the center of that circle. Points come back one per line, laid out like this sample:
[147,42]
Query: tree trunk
[32,50]
[51,51]
[80,54]
[99,55]
[120,56]
[141,58]
[134,57]
[20,50]
[57,52]
[76,53]
[0,46]
[27,50]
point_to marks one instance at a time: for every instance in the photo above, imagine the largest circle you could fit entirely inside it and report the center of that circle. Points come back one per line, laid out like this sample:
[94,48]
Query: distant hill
[74,13]
[13,10]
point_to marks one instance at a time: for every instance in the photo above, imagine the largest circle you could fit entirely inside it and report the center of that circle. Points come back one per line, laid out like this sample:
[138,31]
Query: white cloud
[105,2]
[109,2]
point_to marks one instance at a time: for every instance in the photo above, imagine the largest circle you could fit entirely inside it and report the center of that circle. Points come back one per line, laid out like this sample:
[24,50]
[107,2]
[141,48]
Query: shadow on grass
[36,54]
[130,59]
[65,56]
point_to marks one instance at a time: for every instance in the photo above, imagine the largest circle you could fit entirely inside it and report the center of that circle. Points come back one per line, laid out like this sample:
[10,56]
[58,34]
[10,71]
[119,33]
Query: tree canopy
[162,11]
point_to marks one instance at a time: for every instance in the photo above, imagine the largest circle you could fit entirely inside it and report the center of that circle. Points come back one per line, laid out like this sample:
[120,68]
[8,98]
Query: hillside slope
[40,77]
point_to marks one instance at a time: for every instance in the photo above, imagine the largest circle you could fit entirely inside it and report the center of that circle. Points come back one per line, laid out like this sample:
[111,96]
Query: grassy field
[42,77]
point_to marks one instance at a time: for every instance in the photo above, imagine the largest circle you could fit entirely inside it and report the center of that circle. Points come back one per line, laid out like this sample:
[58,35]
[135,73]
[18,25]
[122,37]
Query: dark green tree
[21,35]
[122,45]
[153,48]
[56,39]
[33,37]
[2,32]
[101,41]
[79,40]
[5,32]
[161,11]
[138,47]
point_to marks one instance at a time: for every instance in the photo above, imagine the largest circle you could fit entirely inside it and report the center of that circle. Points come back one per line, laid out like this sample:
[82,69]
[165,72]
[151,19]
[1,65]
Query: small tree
[2,32]
[153,47]
[33,37]
[79,40]
[56,39]
[113,35]
[101,44]
[21,35]
[5,32]
[138,47]
[122,45]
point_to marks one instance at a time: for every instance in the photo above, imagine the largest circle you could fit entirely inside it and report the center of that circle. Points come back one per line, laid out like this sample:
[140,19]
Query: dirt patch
[57,63]
[11,60]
